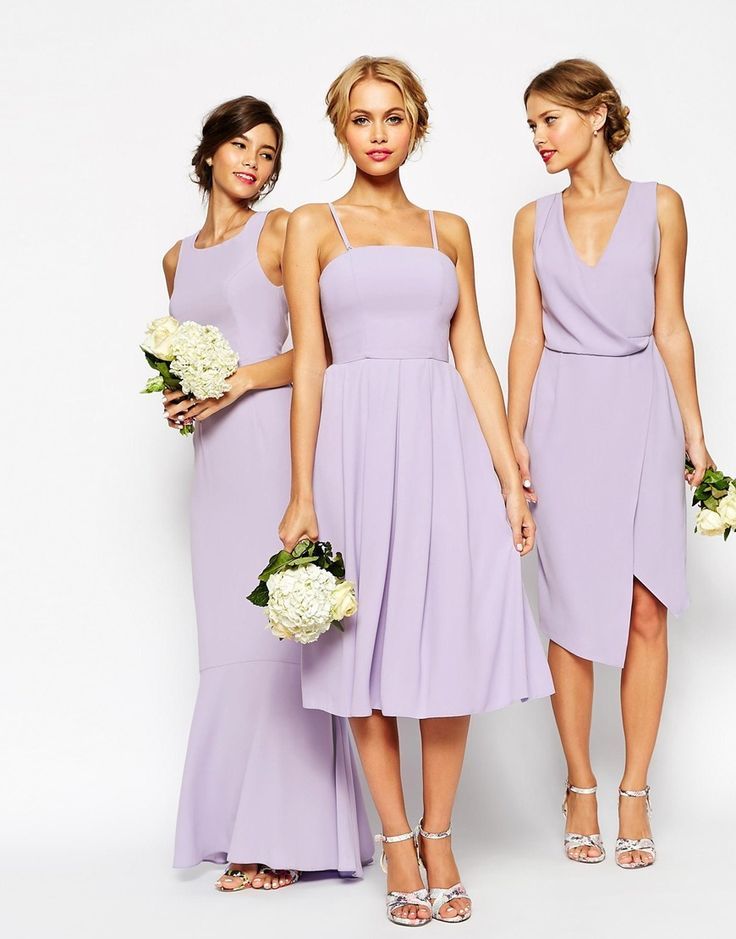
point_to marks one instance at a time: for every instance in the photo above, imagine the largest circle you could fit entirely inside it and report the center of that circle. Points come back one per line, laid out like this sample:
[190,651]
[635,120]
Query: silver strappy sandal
[397,898]
[582,841]
[636,844]
[439,896]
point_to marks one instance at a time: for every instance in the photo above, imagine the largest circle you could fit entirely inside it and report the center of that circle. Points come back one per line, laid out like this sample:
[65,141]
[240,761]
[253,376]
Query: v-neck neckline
[622,210]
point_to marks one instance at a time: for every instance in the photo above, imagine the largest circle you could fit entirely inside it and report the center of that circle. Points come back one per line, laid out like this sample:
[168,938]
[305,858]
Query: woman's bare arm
[671,331]
[481,381]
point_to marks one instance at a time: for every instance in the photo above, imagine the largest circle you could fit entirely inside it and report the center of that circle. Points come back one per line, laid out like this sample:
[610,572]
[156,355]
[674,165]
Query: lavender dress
[405,487]
[264,780]
[604,434]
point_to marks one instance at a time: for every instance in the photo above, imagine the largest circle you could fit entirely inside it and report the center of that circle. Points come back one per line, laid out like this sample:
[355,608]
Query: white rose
[709,523]
[344,602]
[727,508]
[158,337]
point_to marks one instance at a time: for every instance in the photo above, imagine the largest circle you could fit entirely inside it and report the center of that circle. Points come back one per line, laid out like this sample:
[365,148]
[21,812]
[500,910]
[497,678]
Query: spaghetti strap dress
[604,434]
[264,779]
[405,487]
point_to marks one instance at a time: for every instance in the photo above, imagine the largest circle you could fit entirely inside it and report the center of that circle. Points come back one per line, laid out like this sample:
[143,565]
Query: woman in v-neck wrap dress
[602,409]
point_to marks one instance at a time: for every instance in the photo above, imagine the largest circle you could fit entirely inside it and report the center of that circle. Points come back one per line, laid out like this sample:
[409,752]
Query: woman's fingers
[528,531]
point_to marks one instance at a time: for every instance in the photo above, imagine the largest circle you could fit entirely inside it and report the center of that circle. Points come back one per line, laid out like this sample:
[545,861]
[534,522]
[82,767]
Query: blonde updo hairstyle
[583,85]
[384,69]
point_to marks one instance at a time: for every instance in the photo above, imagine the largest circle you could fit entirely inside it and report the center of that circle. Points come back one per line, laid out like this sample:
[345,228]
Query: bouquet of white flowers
[716,496]
[190,357]
[304,592]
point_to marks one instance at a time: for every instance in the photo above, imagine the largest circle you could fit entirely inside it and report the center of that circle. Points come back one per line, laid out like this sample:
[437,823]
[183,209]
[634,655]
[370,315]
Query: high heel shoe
[397,898]
[582,841]
[623,845]
[439,896]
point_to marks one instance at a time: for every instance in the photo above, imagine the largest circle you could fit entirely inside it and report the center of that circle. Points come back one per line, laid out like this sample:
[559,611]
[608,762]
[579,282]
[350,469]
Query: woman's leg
[643,682]
[377,740]
[572,705]
[443,750]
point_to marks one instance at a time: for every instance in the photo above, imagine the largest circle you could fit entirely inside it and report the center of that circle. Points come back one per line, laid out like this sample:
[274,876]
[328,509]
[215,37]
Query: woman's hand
[522,524]
[701,461]
[180,409]
[299,522]
[521,453]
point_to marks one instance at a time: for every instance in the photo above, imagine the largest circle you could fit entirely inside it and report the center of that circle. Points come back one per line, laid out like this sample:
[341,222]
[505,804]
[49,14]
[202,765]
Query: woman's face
[242,166]
[379,131]
[562,135]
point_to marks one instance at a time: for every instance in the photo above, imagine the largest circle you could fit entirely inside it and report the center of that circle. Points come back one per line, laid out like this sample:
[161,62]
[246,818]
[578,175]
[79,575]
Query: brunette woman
[269,788]
[602,408]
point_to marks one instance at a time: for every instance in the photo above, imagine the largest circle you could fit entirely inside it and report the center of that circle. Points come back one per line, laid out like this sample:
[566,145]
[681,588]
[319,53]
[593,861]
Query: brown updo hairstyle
[226,121]
[583,85]
[384,69]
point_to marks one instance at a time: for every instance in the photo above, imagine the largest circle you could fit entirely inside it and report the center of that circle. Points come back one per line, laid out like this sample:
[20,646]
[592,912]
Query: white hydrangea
[300,602]
[202,360]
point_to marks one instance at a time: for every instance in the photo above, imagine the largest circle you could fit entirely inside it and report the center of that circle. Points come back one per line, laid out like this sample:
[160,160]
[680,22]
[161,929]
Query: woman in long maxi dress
[602,408]
[390,452]
[269,787]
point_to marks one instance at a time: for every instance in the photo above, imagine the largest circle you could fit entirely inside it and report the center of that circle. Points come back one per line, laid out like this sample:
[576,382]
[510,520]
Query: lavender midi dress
[404,486]
[264,780]
[604,434]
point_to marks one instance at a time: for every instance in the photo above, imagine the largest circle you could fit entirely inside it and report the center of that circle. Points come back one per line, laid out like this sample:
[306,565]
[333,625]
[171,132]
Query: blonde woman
[602,407]
[393,458]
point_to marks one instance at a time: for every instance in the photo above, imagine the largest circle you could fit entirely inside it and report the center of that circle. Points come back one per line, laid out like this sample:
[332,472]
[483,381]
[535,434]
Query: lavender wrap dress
[604,434]
[264,780]
[405,487]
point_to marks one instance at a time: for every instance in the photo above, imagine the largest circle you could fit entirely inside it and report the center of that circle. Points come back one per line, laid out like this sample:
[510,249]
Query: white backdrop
[101,111]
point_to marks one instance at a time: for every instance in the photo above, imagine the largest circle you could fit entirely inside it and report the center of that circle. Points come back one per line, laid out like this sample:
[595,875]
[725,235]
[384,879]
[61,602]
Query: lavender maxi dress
[405,487]
[605,435]
[264,780]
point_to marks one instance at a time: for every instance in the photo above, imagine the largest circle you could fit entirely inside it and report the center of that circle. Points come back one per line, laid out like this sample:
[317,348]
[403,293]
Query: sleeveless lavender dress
[605,435]
[264,780]
[404,486]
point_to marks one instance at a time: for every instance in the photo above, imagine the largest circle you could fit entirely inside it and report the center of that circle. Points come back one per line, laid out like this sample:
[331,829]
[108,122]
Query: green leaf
[337,567]
[726,533]
[278,562]
[259,596]
[303,561]
[301,548]
[711,504]
[154,384]
[337,625]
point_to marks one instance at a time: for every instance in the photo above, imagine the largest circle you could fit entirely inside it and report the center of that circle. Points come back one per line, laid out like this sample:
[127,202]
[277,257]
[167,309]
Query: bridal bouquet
[716,496]
[304,592]
[190,357]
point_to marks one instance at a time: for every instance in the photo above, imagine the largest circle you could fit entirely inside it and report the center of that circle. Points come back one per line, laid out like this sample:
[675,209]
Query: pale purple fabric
[605,435]
[265,780]
[405,488]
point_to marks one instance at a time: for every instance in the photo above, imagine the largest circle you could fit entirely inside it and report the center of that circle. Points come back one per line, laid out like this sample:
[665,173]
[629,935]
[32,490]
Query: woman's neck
[594,175]
[382,192]
[223,215]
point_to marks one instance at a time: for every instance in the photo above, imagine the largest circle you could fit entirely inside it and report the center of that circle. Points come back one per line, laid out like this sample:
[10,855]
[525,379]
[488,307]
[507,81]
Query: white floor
[520,890]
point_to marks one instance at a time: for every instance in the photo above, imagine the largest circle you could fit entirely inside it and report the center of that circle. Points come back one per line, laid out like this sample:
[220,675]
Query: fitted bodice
[388,301]
[225,286]
[608,308]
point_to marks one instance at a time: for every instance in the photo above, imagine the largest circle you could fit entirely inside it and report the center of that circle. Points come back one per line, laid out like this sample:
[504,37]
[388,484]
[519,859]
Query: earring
[208,161]
[595,132]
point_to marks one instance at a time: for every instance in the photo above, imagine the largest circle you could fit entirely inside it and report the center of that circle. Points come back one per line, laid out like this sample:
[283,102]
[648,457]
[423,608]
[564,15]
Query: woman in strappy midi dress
[390,465]
[602,408]
[269,787]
